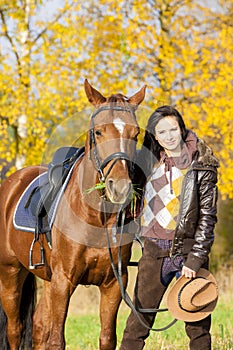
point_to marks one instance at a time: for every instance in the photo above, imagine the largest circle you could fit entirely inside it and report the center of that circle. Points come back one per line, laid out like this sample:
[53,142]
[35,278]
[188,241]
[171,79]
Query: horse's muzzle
[118,191]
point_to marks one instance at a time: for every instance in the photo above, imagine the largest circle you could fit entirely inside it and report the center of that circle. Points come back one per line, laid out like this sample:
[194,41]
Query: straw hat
[192,300]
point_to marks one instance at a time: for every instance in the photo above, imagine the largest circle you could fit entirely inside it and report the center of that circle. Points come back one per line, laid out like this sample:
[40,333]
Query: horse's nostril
[110,183]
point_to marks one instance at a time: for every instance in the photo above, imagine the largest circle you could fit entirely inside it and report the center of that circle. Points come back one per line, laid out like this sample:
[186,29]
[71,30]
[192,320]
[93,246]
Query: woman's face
[168,134]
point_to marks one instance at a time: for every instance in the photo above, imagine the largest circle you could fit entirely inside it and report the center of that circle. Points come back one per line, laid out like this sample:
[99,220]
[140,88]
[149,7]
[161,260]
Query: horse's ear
[94,96]
[137,98]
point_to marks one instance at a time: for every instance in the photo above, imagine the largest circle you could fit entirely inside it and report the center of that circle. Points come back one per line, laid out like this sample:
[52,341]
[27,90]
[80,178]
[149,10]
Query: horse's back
[14,242]
[12,187]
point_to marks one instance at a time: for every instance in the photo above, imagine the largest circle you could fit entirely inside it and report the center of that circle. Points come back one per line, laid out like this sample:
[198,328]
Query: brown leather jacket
[194,234]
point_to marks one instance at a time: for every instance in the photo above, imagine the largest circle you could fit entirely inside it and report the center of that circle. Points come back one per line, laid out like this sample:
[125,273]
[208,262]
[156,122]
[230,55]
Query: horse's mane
[117,98]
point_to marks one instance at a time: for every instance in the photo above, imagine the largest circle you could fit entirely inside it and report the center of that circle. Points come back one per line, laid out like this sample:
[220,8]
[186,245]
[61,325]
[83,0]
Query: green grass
[83,324]
[82,332]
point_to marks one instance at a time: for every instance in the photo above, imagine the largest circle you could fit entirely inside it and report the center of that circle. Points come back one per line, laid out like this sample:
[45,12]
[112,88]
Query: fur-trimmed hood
[205,154]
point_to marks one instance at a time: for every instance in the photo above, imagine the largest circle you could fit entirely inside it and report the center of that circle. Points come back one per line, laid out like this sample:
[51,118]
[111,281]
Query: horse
[84,233]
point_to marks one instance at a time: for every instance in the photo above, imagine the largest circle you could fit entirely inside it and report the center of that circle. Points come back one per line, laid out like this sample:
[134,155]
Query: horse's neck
[89,204]
[86,180]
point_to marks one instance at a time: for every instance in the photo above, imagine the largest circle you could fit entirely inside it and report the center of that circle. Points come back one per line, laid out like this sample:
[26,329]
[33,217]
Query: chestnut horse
[82,231]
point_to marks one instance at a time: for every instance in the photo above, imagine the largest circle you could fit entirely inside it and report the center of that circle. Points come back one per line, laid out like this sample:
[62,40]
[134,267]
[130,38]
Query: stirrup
[33,266]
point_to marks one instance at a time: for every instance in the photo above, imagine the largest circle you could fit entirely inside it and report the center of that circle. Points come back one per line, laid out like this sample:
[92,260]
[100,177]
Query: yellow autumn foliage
[182,50]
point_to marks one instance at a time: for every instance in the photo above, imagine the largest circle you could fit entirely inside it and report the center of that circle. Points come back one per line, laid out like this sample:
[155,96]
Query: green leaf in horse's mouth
[98,186]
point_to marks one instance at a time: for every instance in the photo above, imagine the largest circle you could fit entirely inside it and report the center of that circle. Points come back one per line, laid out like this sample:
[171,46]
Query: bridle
[114,157]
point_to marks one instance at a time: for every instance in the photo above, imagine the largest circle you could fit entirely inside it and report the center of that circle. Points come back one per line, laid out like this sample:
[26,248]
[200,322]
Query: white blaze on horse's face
[119,125]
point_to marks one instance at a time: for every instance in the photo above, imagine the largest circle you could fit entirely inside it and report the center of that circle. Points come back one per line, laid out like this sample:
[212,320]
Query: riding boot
[199,334]
[147,295]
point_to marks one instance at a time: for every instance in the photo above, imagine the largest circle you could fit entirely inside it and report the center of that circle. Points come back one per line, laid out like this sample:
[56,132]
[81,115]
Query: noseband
[101,164]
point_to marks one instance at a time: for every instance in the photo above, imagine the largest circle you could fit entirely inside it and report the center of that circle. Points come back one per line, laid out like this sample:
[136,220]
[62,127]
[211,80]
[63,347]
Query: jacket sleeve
[204,233]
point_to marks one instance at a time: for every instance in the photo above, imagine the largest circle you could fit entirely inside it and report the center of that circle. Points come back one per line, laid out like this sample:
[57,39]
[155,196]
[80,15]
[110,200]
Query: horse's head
[112,138]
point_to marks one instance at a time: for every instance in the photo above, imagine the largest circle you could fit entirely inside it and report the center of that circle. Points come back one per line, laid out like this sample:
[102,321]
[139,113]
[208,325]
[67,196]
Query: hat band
[179,299]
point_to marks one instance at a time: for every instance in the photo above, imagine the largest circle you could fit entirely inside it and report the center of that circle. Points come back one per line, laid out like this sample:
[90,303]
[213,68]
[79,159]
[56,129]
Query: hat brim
[175,309]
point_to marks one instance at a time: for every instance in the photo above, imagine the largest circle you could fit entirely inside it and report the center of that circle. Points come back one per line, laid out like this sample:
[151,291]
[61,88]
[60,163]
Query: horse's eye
[98,133]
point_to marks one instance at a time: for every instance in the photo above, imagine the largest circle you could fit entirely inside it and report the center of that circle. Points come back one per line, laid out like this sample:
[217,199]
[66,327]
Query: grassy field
[83,325]
[82,331]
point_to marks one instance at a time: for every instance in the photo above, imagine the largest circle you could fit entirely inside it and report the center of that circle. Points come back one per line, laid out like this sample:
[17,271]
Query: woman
[179,180]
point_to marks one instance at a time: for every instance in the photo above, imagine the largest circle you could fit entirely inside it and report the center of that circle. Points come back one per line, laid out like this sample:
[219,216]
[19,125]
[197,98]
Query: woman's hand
[188,272]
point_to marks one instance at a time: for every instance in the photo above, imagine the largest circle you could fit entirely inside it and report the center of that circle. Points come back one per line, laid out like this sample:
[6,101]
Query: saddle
[42,197]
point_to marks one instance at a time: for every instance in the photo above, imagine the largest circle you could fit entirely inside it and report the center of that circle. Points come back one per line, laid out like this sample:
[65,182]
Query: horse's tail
[27,307]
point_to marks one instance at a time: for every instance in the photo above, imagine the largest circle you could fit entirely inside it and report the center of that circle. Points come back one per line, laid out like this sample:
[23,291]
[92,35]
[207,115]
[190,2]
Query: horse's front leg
[109,304]
[61,290]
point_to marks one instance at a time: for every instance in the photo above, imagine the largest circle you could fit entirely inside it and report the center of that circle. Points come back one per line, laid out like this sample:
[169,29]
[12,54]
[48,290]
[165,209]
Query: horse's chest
[98,270]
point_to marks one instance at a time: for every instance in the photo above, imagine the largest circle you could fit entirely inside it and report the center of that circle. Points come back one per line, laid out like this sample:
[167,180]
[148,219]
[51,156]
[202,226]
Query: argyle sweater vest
[162,202]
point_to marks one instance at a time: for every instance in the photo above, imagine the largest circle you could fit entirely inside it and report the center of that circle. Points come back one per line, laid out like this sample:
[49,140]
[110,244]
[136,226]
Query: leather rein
[118,275]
